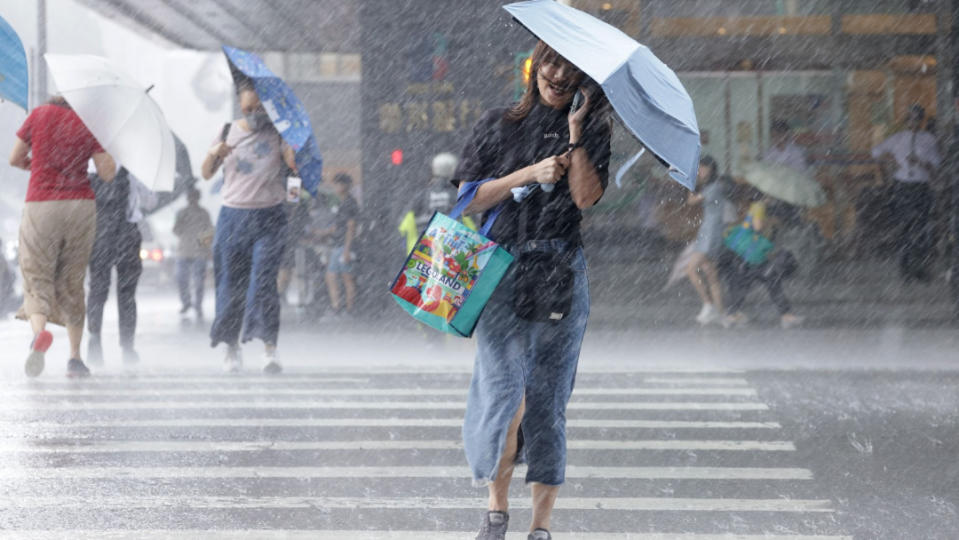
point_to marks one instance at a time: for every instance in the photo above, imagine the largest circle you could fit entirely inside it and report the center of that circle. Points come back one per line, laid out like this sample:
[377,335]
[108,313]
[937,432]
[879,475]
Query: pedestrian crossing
[377,456]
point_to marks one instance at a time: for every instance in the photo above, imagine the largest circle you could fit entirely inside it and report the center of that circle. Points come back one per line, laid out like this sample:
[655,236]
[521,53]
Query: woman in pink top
[58,225]
[250,230]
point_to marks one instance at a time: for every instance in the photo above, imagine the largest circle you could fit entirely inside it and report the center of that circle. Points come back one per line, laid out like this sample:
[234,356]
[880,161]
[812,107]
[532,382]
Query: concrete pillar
[40,65]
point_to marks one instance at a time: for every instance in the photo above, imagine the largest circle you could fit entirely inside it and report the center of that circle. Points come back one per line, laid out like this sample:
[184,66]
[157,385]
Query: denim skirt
[517,358]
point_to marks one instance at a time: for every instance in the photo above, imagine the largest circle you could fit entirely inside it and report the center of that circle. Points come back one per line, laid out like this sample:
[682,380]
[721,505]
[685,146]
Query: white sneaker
[271,366]
[707,315]
[735,320]
[233,363]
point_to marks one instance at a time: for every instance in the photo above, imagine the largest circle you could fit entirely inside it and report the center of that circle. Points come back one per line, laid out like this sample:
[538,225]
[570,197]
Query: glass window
[709,99]
[810,103]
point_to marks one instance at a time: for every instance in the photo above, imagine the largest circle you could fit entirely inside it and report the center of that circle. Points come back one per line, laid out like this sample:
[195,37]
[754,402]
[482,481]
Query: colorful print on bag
[449,276]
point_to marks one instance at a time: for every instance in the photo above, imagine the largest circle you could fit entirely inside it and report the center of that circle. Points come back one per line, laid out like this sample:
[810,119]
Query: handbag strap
[466,195]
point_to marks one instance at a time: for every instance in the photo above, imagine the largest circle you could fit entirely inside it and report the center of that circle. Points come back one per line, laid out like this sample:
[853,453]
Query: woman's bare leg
[38,323]
[715,287]
[544,498]
[349,284]
[75,335]
[334,289]
[499,488]
[692,272]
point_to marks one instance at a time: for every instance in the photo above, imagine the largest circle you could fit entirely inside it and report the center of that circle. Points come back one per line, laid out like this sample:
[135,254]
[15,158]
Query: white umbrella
[784,183]
[119,112]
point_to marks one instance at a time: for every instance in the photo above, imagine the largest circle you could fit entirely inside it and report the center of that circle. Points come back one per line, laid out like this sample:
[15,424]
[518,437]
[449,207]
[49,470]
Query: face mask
[257,120]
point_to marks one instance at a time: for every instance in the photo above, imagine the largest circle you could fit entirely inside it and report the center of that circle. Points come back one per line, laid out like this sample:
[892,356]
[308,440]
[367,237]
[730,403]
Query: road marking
[369,392]
[696,380]
[106,380]
[649,504]
[107,446]
[20,427]
[263,534]
[391,405]
[646,473]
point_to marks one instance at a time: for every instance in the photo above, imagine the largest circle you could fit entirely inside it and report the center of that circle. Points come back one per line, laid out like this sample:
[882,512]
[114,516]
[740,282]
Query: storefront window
[735,111]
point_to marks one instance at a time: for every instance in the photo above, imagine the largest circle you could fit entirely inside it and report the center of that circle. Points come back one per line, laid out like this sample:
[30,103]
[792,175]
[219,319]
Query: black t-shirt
[499,147]
[342,214]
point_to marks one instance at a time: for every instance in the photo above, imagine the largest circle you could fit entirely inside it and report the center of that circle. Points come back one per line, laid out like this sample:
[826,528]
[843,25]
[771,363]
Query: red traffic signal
[396,157]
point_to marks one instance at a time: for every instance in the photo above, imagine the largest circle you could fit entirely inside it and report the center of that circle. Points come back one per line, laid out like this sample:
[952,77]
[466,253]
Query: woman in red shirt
[58,225]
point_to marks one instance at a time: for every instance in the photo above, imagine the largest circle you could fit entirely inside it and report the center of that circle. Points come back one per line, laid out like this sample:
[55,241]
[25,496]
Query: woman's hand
[214,158]
[550,170]
[221,150]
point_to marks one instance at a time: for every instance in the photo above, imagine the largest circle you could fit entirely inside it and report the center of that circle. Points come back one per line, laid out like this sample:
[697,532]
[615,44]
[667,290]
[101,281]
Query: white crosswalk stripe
[319,391]
[696,473]
[386,405]
[10,445]
[261,534]
[166,456]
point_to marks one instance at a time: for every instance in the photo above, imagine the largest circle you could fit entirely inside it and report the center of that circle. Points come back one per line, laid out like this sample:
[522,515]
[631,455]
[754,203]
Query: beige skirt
[56,238]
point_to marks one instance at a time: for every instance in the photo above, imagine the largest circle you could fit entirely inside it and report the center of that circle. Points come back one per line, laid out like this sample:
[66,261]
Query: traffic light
[396,156]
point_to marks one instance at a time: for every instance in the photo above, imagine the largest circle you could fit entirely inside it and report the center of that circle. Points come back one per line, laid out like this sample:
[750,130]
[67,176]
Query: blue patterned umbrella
[286,111]
[647,95]
[13,67]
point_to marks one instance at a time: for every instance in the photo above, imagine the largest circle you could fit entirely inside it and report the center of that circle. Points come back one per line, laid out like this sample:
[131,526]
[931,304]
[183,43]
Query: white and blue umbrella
[13,66]
[643,91]
[286,111]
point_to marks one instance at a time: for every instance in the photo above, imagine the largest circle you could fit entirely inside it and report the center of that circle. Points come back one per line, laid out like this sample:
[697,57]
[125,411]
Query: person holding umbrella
[58,225]
[251,229]
[742,270]
[120,206]
[558,157]
[774,184]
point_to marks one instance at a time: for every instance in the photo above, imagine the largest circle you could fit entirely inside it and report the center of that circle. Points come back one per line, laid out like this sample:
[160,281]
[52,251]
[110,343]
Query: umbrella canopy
[184,178]
[784,183]
[645,93]
[286,112]
[120,114]
[13,67]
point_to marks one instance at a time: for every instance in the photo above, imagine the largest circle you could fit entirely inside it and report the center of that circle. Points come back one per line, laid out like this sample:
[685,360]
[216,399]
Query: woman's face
[557,82]
[704,172]
[249,101]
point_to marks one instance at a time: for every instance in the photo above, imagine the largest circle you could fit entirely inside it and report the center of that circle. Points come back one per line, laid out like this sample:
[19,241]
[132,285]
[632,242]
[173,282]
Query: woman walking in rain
[705,251]
[58,225]
[554,157]
[251,230]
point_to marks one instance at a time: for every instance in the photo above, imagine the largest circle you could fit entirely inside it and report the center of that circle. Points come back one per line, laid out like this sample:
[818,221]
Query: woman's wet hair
[59,101]
[709,161]
[542,54]
[344,179]
[243,83]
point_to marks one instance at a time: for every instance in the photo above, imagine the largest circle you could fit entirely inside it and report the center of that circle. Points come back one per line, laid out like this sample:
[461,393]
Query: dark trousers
[911,213]
[247,253]
[191,269]
[122,251]
[741,277]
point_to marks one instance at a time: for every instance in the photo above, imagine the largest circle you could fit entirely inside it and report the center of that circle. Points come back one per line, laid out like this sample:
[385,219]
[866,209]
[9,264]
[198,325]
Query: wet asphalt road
[681,435]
